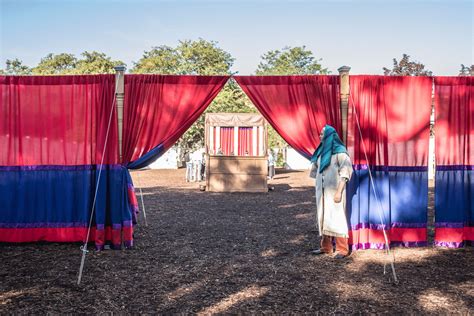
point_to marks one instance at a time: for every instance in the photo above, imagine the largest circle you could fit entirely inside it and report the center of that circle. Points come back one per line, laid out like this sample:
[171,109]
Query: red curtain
[297,107]
[57,120]
[454,189]
[393,112]
[454,101]
[227,140]
[53,132]
[158,109]
[245,141]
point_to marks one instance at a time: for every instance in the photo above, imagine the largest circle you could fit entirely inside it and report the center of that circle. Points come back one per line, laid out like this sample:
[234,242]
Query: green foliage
[160,60]
[231,99]
[198,57]
[56,64]
[15,67]
[288,61]
[280,161]
[405,67]
[67,64]
[96,63]
[466,71]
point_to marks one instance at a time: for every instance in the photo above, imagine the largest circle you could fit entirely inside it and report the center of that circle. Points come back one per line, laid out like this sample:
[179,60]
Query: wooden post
[344,86]
[119,96]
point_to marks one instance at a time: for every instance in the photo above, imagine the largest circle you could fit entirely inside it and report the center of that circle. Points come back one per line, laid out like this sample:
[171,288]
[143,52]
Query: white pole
[236,140]
[261,140]
[218,138]
[254,140]
[211,140]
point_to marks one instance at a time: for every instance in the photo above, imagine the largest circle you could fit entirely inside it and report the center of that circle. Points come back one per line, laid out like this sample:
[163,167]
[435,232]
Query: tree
[466,71]
[67,64]
[288,61]
[15,67]
[59,64]
[96,63]
[198,57]
[160,60]
[407,68]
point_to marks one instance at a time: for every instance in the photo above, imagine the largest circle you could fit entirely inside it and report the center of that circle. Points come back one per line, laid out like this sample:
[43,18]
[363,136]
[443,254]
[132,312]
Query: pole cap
[344,69]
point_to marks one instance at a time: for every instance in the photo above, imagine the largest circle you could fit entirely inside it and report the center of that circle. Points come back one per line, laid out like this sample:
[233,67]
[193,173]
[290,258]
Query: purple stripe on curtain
[59,168]
[392,168]
[382,246]
[42,225]
[454,167]
[384,226]
[450,225]
[449,244]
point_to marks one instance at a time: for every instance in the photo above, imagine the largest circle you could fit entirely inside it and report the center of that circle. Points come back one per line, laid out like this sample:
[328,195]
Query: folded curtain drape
[297,107]
[158,109]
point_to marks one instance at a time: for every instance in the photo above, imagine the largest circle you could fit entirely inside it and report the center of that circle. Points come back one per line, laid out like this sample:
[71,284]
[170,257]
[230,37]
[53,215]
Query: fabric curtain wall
[53,131]
[227,140]
[393,113]
[57,120]
[454,189]
[245,141]
[158,109]
[297,107]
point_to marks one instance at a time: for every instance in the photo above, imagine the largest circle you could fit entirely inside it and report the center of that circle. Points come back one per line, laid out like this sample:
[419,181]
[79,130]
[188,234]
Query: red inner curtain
[158,109]
[454,188]
[297,107]
[393,112]
[227,140]
[56,120]
[245,141]
[454,101]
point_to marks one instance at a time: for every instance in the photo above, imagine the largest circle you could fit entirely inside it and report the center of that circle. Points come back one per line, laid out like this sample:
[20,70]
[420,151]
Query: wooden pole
[344,90]
[119,96]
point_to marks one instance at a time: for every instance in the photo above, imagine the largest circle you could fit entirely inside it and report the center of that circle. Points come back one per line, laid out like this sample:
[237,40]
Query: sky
[365,35]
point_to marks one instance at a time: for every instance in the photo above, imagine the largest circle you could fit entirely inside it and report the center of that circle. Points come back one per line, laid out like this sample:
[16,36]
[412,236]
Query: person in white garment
[332,169]
[271,164]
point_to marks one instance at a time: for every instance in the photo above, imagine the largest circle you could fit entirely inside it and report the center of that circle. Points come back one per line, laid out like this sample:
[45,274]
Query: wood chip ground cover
[211,253]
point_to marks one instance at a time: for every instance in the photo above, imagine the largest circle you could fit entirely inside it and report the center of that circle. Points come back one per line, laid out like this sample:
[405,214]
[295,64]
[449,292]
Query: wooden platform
[236,174]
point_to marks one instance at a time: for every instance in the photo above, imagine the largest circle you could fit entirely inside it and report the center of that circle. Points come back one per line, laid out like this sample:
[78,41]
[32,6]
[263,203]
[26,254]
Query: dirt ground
[231,253]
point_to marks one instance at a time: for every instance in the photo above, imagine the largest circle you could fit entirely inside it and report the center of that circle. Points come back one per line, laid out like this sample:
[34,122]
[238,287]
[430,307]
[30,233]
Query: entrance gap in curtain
[52,135]
[297,107]
[394,114]
[245,141]
[454,188]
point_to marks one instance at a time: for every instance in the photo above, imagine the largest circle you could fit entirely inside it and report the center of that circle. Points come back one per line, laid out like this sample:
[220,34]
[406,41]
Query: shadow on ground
[231,253]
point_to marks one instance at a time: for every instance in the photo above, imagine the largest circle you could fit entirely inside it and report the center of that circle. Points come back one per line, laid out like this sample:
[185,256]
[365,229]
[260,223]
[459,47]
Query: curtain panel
[227,140]
[53,134]
[393,113]
[246,141]
[454,189]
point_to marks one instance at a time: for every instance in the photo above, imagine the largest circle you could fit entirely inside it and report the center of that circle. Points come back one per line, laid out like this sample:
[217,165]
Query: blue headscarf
[330,144]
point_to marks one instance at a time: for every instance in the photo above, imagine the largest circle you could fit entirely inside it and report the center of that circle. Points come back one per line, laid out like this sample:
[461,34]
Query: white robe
[331,216]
